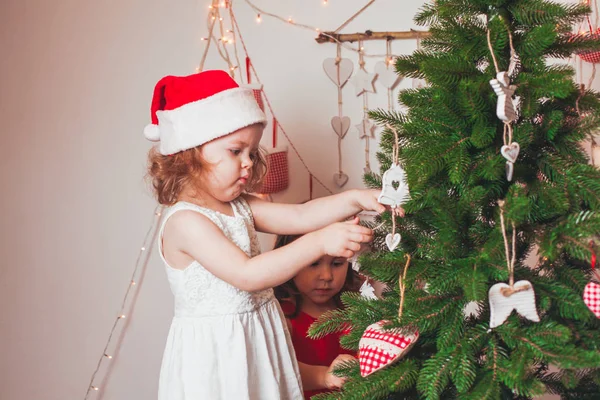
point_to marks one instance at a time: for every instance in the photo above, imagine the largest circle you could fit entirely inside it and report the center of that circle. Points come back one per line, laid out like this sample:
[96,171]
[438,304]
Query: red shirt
[313,351]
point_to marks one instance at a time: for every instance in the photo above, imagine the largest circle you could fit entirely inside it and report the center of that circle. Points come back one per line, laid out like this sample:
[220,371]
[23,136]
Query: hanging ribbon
[593,260]
[248,68]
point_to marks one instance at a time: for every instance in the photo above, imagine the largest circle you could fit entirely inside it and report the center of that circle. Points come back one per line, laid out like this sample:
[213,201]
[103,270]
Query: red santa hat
[188,111]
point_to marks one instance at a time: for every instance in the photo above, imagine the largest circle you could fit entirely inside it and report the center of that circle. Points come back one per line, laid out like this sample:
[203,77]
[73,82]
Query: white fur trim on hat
[204,120]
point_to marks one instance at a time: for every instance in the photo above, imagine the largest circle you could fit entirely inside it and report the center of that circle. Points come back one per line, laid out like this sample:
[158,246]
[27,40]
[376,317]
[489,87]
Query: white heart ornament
[346,67]
[510,151]
[392,241]
[591,297]
[340,179]
[340,126]
[503,300]
[379,348]
[386,75]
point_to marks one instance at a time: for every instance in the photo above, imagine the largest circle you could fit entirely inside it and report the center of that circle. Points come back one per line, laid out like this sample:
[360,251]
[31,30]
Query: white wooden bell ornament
[394,191]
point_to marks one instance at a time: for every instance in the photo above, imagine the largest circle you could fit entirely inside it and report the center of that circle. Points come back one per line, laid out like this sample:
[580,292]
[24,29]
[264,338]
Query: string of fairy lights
[109,351]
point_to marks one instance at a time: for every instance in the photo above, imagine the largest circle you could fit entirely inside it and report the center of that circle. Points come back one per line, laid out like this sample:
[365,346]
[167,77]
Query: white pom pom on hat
[151,132]
[192,110]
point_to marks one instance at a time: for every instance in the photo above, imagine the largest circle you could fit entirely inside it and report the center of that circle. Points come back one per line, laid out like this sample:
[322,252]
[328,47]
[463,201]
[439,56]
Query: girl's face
[230,159]
[322,280]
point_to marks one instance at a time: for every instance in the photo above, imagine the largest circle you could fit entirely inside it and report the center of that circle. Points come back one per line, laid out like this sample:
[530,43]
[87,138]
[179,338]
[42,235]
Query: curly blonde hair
[169,175]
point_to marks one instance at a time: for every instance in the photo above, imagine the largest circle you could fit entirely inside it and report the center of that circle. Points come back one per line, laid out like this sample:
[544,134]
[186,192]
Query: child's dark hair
[288,290]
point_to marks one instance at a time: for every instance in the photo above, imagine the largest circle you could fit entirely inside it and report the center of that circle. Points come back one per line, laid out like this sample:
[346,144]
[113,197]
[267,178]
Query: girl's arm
[295,219]
[194,235]
[313,376]
[316,377]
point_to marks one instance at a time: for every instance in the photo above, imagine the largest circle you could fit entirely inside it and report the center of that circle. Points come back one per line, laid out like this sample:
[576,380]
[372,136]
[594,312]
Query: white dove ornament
[394,190]
[506,109]
[504,299]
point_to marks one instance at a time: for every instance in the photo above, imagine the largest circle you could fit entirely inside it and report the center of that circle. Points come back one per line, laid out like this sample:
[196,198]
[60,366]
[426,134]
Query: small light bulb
[213,17]
[94,387]
[317,29]
[324,2]
[220,18]
[132,283]
[143,249]
[290,20]
[210,7]
[258,18]
[108,356]
[122,316]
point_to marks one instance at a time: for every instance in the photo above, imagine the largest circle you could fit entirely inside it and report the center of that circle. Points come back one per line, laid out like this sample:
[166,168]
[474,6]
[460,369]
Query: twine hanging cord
[402,287]
[511,255]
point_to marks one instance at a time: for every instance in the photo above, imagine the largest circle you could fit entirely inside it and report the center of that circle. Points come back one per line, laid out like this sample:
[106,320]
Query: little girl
[313,291]
[228,339]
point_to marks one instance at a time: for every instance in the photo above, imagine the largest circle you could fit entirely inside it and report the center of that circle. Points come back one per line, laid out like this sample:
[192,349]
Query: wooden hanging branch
[332,37]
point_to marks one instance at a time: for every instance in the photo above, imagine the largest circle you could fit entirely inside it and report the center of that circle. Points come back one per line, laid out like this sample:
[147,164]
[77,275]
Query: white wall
[76,82]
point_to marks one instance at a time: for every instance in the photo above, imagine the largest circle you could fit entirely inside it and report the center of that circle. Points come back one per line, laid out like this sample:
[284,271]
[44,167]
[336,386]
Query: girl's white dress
[225,343]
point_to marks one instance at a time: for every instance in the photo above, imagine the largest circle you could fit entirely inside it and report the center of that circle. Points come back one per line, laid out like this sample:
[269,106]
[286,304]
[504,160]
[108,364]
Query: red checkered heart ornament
[591,297]
[379,348]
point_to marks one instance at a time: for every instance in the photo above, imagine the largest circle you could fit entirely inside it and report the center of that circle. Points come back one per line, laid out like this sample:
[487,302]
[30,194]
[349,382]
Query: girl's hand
[343,239]
[367,200]
[332,381]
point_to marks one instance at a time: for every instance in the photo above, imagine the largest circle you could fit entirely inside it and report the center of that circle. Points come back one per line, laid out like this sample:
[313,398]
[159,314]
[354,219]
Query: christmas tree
[502,196]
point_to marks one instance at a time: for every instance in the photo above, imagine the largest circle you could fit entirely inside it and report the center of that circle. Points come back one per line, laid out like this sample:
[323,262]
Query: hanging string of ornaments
[518,296]
[508,105]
